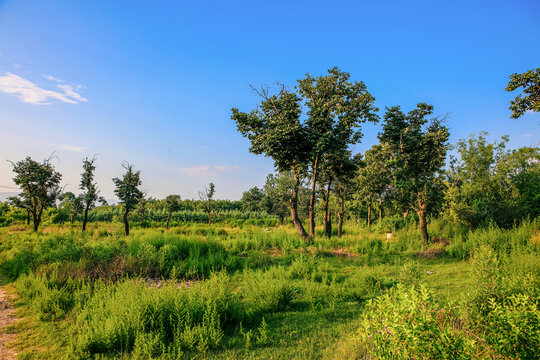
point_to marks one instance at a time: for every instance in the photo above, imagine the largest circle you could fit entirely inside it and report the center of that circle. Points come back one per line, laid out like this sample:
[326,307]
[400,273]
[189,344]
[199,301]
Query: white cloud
[527,135]
[69,92]
[29,92]
[52,78]
[67,147]
[207,170]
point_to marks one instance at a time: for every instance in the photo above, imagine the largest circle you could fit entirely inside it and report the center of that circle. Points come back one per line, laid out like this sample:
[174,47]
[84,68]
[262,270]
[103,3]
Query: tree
[172,204]
[530,82]
[39,184]
[276,195]
[336,108]
[345,174]
[274,129]
[207,198]
[72,204]
[140,209]
[89,188]
[128,192]
[418,153]
[251,199]
[373,176]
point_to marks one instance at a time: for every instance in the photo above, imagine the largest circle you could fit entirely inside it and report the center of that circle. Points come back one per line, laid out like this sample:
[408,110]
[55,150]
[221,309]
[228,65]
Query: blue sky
[152,83]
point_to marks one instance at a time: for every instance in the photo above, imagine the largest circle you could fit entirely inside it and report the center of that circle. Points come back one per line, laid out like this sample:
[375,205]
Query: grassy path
[7,318]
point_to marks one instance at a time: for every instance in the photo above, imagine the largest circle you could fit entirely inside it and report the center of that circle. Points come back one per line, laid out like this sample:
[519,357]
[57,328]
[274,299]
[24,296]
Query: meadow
[249,289]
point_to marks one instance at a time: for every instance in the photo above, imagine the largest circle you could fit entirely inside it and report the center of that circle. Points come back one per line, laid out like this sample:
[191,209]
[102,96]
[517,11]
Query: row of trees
[40,189]
[308,131]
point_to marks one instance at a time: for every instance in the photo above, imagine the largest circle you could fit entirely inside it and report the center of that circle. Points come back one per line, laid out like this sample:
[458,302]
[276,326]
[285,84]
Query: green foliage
[407,323]
[530,82]
[40,187]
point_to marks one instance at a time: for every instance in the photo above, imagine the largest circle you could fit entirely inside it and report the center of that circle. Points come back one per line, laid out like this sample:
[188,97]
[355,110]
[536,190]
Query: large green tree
[89,188]
[529,81]
[275,130]
[39,184]
[418,152]
[336,106]
[127,190]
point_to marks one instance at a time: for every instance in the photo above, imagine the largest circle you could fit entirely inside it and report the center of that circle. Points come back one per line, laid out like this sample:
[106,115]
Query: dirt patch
[7,318]
[431,253]
[274,252]
[342,252]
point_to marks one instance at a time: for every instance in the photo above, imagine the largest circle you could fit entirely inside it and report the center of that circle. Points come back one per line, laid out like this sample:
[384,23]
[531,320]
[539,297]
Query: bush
[407,323]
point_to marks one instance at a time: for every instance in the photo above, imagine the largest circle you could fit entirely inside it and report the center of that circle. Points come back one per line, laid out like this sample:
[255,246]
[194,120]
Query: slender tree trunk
[85,218]
[72,218]
[405,214]
[168,219]
[126,223]
[326,214]
[369,214]
[340,214]
[293,205]
[312,198]
[380,208]
[27,217]
[423,226]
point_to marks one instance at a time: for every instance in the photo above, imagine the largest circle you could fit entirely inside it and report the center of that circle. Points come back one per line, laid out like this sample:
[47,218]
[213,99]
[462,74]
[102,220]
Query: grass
[255,291]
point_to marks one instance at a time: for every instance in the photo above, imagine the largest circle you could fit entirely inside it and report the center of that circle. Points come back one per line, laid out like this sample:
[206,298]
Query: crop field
[260,292]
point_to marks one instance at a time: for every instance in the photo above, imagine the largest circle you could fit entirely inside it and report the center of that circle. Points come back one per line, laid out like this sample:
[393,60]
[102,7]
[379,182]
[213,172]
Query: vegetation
[457,278]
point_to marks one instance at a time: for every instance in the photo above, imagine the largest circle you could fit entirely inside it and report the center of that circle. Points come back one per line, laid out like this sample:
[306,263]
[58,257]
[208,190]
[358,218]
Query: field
[246,291]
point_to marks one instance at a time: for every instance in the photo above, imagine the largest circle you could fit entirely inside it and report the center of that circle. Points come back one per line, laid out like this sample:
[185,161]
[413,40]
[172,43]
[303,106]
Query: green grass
[251,291]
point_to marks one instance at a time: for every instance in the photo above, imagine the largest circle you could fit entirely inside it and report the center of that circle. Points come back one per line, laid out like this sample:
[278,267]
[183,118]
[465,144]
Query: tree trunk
[126,223]
[27,217]
[293,204]
[380,208]
[369,214]
[340,214]
[72,218]
[405,214]
[327,222]
[312,198]
[142,220]
[37,219]
[423,226]
[168,219]
[85,219]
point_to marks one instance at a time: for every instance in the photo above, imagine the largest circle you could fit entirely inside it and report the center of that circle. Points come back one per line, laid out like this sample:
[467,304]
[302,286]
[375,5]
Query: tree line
[308,132]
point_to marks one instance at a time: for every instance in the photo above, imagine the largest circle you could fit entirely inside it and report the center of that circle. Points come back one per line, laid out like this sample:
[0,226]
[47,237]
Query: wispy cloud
[67,147]
[29,92]
[207,170]
[52,78]
[527,135]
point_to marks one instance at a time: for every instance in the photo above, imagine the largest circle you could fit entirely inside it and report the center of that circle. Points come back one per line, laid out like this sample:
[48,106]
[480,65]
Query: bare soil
[7,317]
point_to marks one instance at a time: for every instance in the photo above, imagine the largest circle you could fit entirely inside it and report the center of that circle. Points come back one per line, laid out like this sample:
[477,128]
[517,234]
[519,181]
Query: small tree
[530,82]
[251,199]
[39,184]
[128,192]
[276,194]
[89,188]
[344,188]
[140,209]
[207,198]
[72,204]
[172,204]
[418,154]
